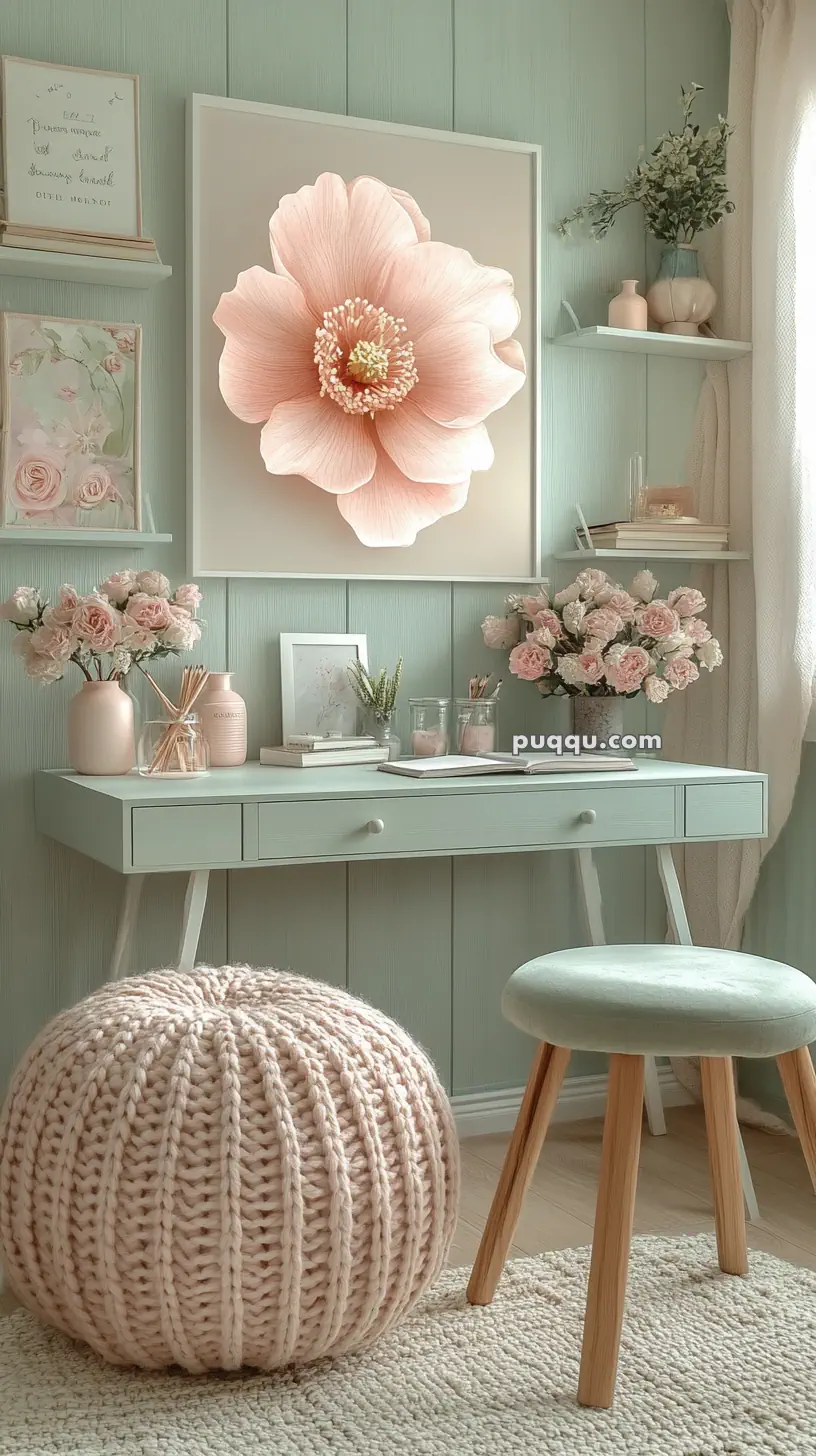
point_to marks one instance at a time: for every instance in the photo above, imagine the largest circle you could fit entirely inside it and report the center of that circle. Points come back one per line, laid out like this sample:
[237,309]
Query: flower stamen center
[364,360]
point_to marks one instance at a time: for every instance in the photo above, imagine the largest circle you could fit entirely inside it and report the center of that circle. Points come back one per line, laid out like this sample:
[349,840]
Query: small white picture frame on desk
[70,149]
[316,694]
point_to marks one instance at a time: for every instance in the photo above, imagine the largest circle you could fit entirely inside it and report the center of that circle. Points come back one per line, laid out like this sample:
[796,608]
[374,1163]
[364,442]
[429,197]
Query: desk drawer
[441,823]
[726,811]
[187,834]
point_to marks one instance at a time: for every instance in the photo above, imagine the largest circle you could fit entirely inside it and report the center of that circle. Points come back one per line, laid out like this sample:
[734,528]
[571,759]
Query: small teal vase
[681,297]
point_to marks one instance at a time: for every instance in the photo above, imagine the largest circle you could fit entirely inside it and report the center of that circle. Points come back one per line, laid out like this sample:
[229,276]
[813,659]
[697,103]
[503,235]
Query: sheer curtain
[754,457]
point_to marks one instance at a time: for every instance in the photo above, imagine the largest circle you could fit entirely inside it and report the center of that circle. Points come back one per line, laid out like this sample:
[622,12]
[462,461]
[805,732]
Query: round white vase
[681,297]
[100,730]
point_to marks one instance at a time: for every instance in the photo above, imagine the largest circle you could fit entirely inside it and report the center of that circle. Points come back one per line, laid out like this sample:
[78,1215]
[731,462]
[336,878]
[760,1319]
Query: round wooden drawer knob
[376,826]
[587,816]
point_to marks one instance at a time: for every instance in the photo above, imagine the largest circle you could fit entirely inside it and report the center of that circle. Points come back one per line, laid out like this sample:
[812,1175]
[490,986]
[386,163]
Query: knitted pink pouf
[232,1167]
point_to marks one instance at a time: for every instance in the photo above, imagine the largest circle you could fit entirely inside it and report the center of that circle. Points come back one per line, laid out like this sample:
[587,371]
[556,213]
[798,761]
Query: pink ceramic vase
[223,718]
[628,309]
[100,730]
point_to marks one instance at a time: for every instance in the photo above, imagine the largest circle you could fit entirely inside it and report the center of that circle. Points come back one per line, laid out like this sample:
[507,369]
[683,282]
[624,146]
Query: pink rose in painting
[580,669]
[189,597]
[39,482]
[626,669]
[371,356]
[68,393]
[155,583]
[657,620]
[500,631]
[182,631]
[601,625]
[93,488]
[16,365]
[23,606]
[687,601]
[150,612]
[530,662]
[656,688]
[113,363]
[96,623]
[680,671]
[119,586]
[125,341]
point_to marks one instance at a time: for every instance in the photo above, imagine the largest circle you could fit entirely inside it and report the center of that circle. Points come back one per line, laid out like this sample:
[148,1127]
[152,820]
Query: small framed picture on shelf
[70,149]
[69,399]
[316,694]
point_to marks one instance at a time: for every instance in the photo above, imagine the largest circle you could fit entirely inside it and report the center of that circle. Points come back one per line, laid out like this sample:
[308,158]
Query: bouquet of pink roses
[597,639]
[129,619]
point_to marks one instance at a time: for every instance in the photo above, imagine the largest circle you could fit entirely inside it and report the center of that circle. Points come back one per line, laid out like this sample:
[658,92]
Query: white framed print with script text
[71,149]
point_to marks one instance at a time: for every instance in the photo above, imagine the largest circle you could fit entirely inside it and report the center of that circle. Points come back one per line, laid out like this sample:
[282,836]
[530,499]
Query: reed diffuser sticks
[180,751]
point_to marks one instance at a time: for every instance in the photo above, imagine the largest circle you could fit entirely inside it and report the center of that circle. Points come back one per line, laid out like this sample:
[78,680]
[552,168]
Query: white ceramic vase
[629,309]
[100,730]
[681,297]
[223,717]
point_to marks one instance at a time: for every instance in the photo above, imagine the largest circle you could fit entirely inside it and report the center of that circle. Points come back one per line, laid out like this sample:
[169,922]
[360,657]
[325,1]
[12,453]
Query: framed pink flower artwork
[70,414]
[363,348]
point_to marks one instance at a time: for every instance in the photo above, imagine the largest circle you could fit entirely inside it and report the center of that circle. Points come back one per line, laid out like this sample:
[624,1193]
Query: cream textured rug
[710,1366]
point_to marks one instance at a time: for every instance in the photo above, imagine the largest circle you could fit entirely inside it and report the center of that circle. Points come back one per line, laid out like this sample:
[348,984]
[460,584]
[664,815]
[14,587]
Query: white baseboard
[478,1113]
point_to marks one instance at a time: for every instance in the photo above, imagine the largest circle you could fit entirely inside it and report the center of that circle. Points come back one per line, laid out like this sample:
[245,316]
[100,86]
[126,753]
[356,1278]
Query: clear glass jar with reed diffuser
[175,746]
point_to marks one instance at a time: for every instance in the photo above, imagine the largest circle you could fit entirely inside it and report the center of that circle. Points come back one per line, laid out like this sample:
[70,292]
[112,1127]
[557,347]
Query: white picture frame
[316,695]
[70,149]
[270,526]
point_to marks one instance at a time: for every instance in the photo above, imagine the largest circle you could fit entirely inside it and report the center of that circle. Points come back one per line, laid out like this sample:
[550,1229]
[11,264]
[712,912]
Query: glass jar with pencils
[477,717]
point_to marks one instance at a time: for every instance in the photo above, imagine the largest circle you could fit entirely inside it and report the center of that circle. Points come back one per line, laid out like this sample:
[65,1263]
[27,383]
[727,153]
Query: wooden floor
[672,1198]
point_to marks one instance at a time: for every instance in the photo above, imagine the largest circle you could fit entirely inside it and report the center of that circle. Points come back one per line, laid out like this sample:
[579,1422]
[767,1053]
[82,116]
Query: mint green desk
[254,816]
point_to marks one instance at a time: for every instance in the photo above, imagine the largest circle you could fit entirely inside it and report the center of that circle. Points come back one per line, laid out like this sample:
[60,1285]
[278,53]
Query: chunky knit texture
[232,1167]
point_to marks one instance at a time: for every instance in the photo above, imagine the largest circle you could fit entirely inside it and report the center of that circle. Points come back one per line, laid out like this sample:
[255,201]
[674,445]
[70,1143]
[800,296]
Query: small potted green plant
[377,695]
[682,189]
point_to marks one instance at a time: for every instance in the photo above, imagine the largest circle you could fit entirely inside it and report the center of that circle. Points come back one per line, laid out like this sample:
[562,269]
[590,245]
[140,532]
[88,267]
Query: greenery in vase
[681,186]
[377,694]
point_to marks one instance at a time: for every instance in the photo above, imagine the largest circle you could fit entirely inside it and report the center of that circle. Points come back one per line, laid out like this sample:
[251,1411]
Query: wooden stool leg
[720,1103]
[540,1097]
[799,1081]
[613,1231]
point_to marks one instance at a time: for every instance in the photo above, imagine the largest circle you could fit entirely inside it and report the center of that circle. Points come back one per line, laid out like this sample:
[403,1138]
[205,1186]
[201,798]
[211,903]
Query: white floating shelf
[130,540]
[632,341]
[81,268]
[610,553]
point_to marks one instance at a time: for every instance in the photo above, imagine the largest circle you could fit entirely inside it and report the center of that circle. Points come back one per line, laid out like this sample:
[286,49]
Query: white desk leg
[593,905]
[128,915]
[678,920]
[195,901]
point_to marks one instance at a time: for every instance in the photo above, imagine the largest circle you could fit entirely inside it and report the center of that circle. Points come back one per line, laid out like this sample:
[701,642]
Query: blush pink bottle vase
[223,717]
[628,309]
[100,730]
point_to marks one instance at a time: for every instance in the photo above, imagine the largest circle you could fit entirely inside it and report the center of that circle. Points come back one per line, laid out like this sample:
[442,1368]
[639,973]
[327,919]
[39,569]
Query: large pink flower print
[371,355]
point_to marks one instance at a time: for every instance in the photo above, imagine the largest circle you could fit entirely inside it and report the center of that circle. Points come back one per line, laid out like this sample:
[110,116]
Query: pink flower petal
[461,379]
[418,218]
[316,439]
[390,509]
[335,241]
[268,356]
[426,451]
[434,283]
[511,352]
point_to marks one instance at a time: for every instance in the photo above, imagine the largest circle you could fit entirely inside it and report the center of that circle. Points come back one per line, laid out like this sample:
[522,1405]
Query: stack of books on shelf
[94,245]
[651,537]
[305,750]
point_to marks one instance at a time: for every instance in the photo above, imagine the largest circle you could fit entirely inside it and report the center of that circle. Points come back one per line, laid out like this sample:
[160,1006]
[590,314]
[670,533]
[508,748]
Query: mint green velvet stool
[633,1001]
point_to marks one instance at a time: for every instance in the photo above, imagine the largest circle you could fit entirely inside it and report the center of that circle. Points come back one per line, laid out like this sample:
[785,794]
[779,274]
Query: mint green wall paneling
[410,620]
[293,917]
[288,53]
[400,61]
[399,947]
[521,709]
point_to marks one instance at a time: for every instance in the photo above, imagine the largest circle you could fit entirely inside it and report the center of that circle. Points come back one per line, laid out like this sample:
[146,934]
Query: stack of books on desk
[94,245]
[656,535]
[307,751]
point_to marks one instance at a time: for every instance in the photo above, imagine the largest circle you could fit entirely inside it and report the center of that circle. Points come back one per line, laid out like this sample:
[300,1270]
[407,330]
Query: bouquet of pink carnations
[597,639]
[131,618]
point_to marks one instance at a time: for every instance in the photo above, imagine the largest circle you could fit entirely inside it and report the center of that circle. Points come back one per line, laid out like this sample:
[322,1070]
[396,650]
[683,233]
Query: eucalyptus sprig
[377,694]
[681,186]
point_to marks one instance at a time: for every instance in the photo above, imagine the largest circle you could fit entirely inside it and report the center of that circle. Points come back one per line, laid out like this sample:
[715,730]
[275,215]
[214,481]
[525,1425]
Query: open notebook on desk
[456,765]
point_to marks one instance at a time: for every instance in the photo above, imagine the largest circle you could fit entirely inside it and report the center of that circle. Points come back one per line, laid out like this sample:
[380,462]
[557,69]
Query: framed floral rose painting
[70,416]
